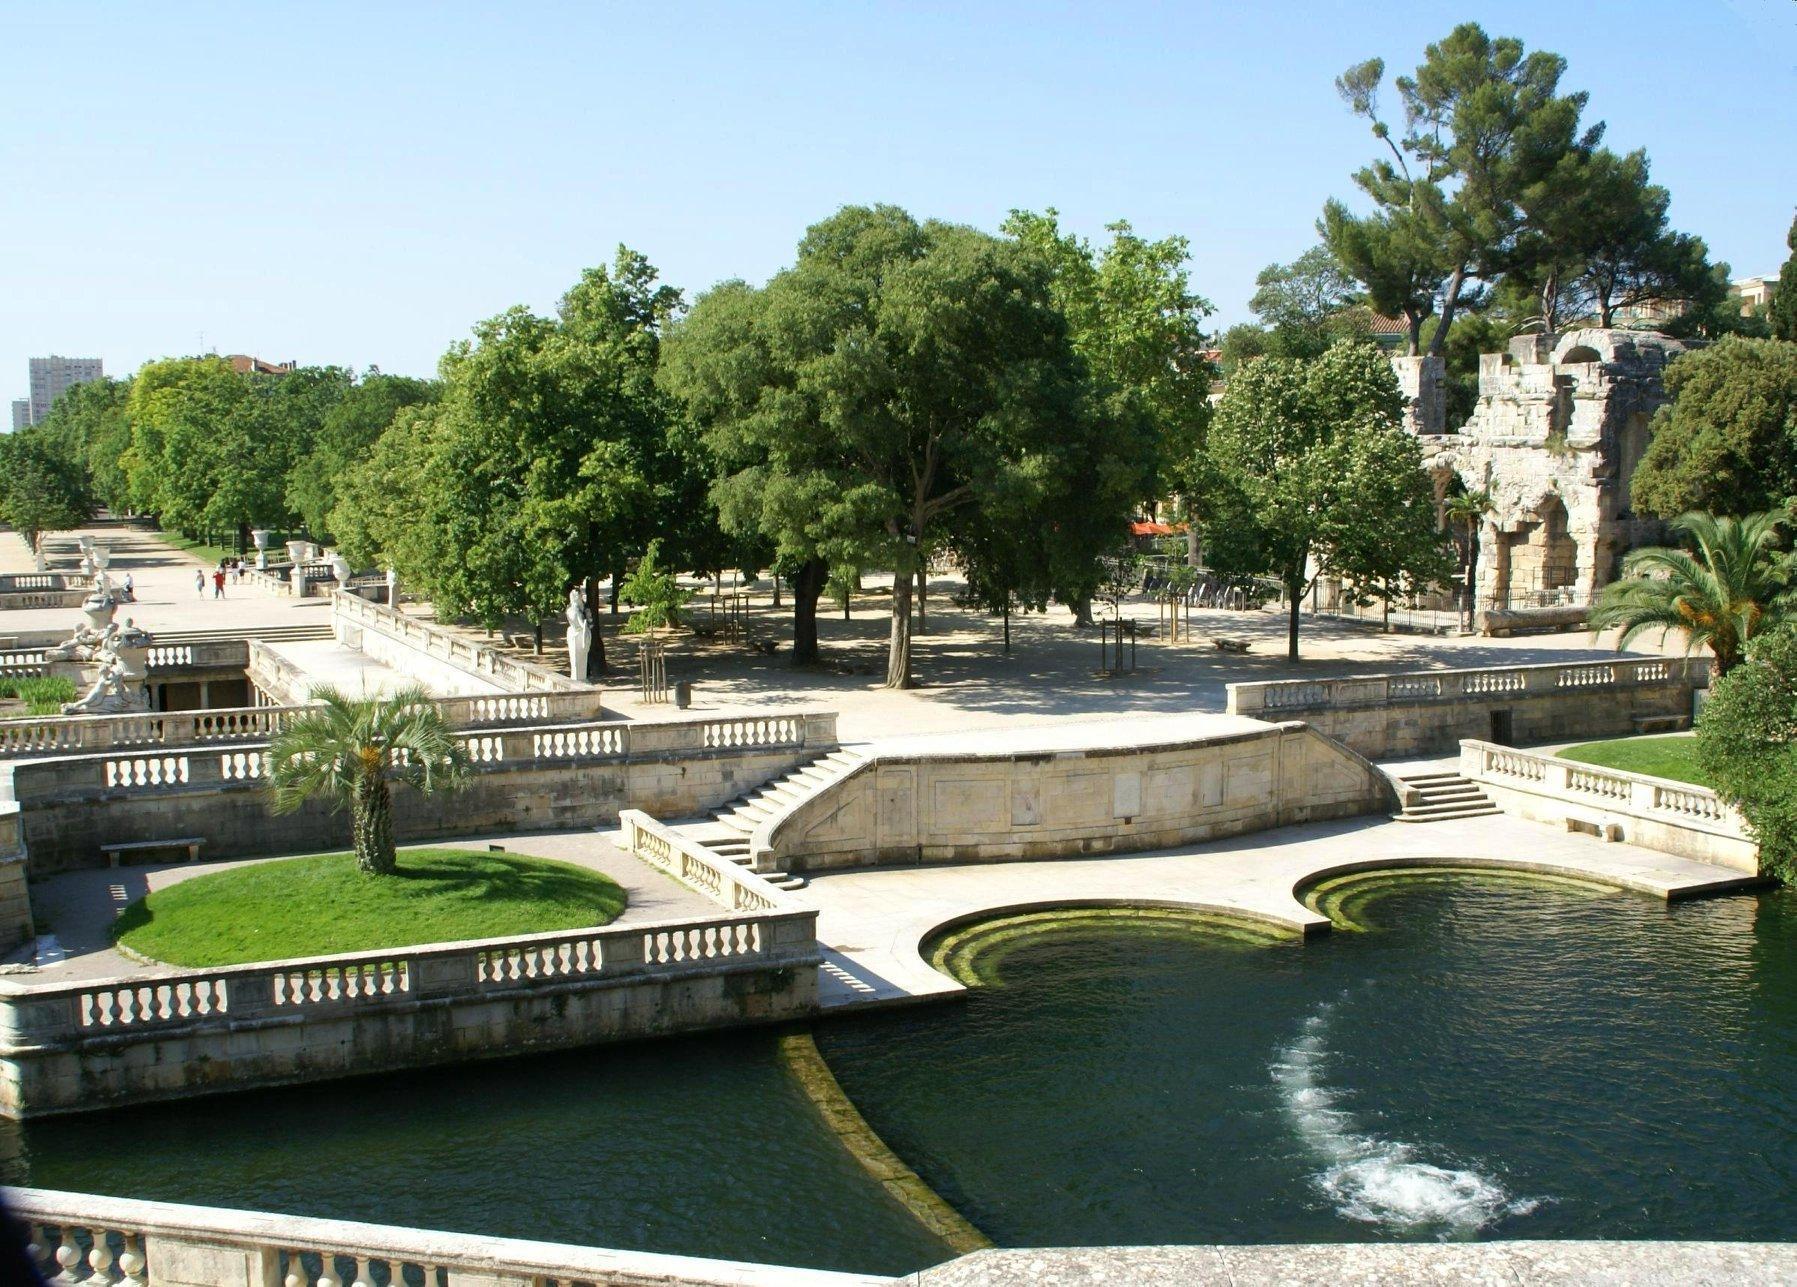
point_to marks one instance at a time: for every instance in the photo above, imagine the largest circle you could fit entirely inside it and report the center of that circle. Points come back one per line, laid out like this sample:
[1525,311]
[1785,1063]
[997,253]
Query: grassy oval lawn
[1658,757]
[270,911]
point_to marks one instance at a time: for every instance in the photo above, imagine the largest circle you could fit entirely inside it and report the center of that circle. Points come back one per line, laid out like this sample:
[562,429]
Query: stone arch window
[1580,353]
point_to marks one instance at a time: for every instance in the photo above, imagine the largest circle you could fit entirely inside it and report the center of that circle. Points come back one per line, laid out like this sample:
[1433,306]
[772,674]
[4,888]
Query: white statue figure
[580,636]
[110,692]
[393,588]
[93,634]
[43,564]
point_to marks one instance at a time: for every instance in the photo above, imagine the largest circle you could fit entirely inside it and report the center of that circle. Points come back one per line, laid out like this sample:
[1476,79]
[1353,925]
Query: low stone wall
[15,897]
[1672,817]
[230,725]
[169,1244]
[25,599]
[419,648]
[1222,778]
[99,1043]
[532,778]
[1430,712]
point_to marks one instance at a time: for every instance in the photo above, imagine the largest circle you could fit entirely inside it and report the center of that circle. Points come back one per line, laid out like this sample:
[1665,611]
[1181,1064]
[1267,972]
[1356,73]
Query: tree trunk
[1450,301]
[898,653]
[923,598]
[1082,612]
[371,825]
[1294,593]
[539,636]
[617,575]
[1413,332]
[1007,625]
[1605,313]
[596,663]
[777,592]
[807,587]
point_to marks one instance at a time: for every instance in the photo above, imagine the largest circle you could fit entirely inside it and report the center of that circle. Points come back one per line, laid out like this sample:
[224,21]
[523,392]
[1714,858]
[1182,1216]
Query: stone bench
[1661,723]
[1231,645]
[190,843]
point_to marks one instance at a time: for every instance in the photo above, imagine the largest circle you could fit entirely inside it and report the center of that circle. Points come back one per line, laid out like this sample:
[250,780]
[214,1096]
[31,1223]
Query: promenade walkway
[873,922]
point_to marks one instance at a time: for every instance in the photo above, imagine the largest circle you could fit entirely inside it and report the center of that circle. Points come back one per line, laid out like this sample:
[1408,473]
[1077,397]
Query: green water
[1488,1058]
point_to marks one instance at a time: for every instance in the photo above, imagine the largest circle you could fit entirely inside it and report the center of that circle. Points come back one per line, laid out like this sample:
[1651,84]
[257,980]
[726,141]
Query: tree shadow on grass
[508,878]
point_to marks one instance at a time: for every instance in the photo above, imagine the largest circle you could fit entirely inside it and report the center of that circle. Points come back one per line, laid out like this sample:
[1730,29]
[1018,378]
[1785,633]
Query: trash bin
[683,694]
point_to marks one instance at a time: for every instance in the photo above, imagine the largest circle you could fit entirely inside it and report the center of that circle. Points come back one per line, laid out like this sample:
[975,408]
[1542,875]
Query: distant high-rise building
[51,377]
[21,412]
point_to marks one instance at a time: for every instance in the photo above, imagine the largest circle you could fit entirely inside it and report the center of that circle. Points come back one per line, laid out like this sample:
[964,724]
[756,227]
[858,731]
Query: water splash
[1374,1180]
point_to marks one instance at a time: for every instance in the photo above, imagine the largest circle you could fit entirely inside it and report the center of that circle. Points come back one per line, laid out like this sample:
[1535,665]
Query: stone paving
[80,906]
[1474,1264]
[873,921]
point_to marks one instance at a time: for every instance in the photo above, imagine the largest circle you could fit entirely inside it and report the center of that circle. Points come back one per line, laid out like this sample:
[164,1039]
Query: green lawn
[42,694]
[315,906]
[1659,757]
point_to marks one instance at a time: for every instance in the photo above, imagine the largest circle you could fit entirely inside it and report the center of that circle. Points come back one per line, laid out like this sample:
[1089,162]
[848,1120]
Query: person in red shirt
[218,584]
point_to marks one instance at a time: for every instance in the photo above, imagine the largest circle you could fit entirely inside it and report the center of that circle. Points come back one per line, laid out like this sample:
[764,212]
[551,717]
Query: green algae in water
[975,954]
[1350,899]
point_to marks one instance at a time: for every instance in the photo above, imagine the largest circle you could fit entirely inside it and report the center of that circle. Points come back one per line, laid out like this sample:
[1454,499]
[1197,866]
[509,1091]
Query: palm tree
[1736,585]
[352,750]
[1464,511]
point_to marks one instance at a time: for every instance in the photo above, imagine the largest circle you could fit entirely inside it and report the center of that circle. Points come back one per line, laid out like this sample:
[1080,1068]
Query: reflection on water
[1490,1058]
[1376,1180]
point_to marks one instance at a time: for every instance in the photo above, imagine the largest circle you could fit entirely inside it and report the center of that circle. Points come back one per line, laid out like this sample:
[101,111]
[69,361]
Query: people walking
[199,582]
[130,589]
[218,584]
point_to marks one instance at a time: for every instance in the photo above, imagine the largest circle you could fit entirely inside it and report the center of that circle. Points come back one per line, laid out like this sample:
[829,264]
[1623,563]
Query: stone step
[1469,811]
[1419,779]
[1440,795]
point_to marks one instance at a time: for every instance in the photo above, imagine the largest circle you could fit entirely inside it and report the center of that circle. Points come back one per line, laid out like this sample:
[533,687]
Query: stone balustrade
[20,582]
[1423,712]
[76,734]
[26,599]
[92,1042]
[353,618]
[23,663]
[89,1238]
[724,882]
[1656,813]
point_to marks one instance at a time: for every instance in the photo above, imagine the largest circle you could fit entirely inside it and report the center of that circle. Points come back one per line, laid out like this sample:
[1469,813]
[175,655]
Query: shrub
[1747,746]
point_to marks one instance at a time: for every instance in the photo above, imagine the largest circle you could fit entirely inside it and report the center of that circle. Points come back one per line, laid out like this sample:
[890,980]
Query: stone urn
[102,556]
[260,536]
[132,647]
[98,609]
[86,543]
[341,569]
[299,551]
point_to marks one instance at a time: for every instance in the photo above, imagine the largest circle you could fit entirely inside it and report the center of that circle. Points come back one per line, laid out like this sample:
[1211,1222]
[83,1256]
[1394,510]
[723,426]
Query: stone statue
[580,636]
[89,637]
[109,695]
[393,588]
[118,689]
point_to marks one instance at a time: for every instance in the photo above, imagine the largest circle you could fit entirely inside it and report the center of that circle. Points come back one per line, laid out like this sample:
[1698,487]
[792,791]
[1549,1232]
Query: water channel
[1476,1057]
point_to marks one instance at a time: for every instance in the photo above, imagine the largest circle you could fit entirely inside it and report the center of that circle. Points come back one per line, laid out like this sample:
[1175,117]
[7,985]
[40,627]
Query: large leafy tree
[1135,320]
[864,401]
[1782,315]
[547,460]
[345,434]
[1308,304]
[1747,746]
[1485,123]
[88,428]
[1309,472]
[351,752]
[42,488]
[1734,584]
[1727,441]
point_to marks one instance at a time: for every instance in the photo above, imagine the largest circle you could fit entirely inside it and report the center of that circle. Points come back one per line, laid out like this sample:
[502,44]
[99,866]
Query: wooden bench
[190,843]
[1231,645]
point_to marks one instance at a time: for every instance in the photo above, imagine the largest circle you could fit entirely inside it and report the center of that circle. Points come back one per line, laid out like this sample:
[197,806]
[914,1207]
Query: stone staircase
[729,830]
[1444,796]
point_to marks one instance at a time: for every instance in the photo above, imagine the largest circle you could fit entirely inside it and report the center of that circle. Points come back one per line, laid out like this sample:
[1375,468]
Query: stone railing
[88,1238]
[1678,817]
[27,599]
[1397,716]
[499,729]
[74,734]
[20,582]
[268,580]
[1291,696]
[231,998]
[356,613]
[719,879]
[209,654]
[22,663]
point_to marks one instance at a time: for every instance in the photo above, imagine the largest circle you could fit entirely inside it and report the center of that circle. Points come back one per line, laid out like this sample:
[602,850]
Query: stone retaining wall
[15,898]
[1430,712]
[960,806]
[537,778]
[98,1043]
[1655,813]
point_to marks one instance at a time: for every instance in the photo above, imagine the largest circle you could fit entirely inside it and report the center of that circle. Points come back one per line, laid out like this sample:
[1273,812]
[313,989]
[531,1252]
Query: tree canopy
[1310,472]
[1727,441]
[1747,746]
[41,488]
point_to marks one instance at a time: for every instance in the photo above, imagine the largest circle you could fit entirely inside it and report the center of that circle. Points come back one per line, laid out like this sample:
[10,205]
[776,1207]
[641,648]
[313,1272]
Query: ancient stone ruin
[1560,425]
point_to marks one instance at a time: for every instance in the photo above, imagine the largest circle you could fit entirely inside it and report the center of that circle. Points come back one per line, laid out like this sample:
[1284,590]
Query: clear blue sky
[359,183]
